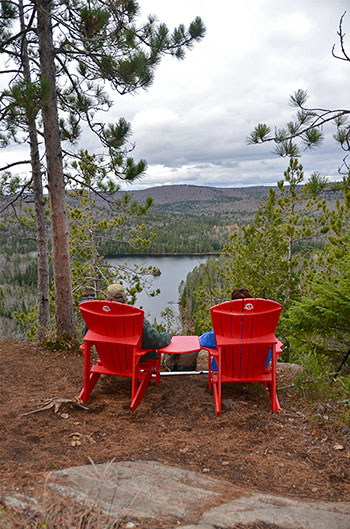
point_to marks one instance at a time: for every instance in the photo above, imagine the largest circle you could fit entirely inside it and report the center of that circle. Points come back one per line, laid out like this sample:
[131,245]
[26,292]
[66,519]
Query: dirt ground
[300,452]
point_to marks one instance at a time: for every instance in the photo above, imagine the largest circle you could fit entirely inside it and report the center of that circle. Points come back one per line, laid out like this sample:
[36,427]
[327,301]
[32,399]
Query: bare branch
[8,71]
[342,45]
[23,162]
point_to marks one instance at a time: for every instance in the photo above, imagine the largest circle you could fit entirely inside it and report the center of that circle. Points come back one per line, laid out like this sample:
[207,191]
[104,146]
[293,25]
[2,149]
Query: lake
[174,269]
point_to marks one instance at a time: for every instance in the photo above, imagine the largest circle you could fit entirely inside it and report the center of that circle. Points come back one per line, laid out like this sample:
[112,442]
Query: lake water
[174,269]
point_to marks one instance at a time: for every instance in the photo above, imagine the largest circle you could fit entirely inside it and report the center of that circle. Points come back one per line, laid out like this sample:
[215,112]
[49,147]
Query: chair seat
[95,337]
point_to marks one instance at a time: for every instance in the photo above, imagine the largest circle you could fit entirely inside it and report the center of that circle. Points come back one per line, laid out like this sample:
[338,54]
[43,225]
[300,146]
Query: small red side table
[182,345]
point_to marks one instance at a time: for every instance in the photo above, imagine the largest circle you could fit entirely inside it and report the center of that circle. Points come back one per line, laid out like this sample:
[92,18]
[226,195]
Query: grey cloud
[191,124]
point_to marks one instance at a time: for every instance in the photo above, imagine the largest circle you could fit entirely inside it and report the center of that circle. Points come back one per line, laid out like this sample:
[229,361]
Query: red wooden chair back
[119,321]
[244,319]
[115,329]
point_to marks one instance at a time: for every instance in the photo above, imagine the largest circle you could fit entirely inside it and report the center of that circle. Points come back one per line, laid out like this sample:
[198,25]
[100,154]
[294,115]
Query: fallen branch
[56,403]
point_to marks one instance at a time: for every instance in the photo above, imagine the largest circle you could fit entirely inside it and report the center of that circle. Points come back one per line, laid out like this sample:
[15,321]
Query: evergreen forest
[179,227]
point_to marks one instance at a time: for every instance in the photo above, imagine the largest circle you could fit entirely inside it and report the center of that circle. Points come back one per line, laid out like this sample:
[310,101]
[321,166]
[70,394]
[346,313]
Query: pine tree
[320,320]
[306,129]
[22,101]
[271,257]
[91,45]
[91,225]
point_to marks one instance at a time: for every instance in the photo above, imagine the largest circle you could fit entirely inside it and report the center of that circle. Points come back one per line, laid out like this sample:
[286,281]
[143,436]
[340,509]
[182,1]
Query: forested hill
[197,219]
[194,219]
[190,197]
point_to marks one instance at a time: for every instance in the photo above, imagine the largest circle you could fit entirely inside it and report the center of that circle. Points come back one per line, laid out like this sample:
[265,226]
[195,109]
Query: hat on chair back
[116,292]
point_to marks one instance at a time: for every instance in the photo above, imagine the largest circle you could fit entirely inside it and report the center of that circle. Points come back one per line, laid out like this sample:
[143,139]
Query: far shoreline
[201,254]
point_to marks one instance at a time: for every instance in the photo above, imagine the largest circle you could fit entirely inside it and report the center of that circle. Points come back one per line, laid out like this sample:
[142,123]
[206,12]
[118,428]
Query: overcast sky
[191,125]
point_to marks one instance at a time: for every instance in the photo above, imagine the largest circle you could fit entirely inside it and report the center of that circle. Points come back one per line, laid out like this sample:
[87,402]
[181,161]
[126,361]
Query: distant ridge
[204,197]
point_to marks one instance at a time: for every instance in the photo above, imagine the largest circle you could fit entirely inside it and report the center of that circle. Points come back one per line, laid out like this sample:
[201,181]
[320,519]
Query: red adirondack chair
[115,329]
[244,331]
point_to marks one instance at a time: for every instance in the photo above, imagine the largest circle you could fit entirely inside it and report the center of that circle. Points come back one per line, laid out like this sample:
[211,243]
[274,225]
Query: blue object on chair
[208,339]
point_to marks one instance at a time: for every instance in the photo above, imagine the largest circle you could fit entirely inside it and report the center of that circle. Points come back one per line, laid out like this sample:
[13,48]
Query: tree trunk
[39,203]
[42,243]
[64,312]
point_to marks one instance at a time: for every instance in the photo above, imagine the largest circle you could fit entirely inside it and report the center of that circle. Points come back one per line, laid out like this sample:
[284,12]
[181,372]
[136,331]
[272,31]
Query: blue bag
[208,339]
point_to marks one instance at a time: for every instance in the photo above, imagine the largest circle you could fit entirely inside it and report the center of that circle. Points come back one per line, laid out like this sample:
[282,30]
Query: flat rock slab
[282,512]
[141,489]
[147,490]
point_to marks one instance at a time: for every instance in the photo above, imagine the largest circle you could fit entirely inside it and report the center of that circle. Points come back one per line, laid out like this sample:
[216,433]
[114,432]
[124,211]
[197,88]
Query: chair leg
[89,385]
[275,405]
[140,391]
[217,397]
[157,372]
[217,388]
[90,379]
[209,372]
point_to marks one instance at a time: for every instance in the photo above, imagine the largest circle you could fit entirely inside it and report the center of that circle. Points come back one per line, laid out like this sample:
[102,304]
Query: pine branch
[318,122]
[12,39]
[91,188]
[17,197]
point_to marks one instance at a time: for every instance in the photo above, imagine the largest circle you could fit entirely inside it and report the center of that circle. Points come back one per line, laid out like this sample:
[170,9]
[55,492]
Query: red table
[182,345]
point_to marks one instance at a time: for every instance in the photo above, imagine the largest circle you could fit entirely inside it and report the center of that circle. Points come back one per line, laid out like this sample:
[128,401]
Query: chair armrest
[94,337]
[142,352]
[211,350]
[267,340]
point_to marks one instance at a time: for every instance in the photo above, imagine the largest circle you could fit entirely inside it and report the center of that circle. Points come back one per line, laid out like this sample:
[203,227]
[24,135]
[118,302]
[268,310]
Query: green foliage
[16,297]
[169,322]
[344,386]
[306,127]
[316,383]
[257,255]
[284,255]
[91,273]
[27,321]
[202,289]
[321,317]
[260,132]
[62,343]
[193,228]
[263,256]
[315,378]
